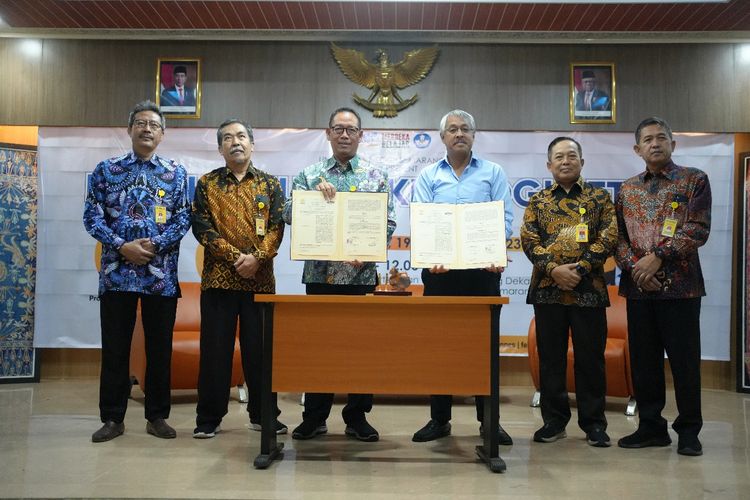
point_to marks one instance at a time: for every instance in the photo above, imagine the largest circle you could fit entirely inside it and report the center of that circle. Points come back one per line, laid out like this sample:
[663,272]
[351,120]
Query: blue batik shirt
[129,198]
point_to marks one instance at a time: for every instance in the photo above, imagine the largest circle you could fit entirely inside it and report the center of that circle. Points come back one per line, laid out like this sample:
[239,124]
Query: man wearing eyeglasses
[461,177]
[346,171]
[137,207]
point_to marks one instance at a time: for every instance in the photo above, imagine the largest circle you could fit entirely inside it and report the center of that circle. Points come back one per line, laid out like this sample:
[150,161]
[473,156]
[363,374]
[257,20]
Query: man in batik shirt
[664,216]
[137,207]
[344,171]
[569,229]
[237,219]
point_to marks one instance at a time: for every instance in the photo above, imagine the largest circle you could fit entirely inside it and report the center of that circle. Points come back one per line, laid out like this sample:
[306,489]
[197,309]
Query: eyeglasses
[464,130]
[350,131]
[151,124]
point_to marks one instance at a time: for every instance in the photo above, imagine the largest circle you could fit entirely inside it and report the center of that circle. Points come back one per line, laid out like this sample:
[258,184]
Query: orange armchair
[616,355]
[185,346]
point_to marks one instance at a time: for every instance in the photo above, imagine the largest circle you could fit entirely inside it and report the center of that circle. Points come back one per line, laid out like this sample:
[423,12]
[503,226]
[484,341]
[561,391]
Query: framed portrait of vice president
[178,87]
[592,92]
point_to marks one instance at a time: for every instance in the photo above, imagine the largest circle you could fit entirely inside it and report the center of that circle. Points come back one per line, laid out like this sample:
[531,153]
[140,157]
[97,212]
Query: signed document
[467,236]
[354,226]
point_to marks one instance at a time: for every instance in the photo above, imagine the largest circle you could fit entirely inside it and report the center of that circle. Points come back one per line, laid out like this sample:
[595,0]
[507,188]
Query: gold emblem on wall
[384,78]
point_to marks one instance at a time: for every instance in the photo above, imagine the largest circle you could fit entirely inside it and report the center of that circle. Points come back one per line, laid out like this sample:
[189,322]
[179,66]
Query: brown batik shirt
[226,213]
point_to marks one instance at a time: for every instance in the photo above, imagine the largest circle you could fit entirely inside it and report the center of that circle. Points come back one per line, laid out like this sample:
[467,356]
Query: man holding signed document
[339,235]
[461,254]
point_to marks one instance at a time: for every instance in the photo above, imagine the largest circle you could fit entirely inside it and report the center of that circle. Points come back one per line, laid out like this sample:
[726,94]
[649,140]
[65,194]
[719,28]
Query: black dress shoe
[689,445]
[161,429]
[108,431]
[432,431]
[642,439]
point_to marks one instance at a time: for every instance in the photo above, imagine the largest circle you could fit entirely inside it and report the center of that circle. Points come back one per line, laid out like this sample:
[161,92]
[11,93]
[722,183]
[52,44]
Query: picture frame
[178,87]
[592,92]
[743,275]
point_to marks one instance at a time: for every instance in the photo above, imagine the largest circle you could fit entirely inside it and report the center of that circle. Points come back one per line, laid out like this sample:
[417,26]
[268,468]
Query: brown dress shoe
[161,429]
[108,431]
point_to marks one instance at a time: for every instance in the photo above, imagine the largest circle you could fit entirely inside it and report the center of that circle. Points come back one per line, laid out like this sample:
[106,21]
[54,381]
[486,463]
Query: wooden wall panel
[20,81]
[697,87]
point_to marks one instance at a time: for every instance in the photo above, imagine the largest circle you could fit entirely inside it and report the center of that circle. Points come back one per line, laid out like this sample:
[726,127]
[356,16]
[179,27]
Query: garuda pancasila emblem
[384,78]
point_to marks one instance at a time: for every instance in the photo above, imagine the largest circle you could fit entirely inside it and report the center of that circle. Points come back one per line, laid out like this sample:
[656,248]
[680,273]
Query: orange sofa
[616,355]
[185,346]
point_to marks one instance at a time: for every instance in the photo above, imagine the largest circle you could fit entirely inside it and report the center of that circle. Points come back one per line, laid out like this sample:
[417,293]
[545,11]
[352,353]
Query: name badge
[160,214]
[582,233]
[669,227]
[260,226]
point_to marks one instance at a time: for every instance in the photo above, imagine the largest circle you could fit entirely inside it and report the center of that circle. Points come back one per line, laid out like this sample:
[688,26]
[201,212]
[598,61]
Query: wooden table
[381,345]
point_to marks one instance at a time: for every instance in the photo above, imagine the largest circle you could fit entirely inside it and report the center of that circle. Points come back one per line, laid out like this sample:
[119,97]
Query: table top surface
[381,299]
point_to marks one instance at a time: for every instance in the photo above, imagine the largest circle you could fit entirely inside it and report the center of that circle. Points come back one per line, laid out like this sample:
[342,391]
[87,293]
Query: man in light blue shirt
[460,177]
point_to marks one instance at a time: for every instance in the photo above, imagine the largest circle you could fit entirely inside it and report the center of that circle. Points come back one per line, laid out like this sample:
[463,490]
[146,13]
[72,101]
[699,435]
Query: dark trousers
[588,326]
[220,310]
[466,282]
[318,405]
[653,327]
[117,315]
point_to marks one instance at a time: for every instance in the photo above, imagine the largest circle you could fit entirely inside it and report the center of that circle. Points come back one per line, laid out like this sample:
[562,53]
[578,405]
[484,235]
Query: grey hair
[230,121]
[461,114]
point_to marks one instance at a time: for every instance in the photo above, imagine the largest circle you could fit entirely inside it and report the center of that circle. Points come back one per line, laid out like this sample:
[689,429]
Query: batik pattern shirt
[548,237]
[643,204]
[357,175]
[129,198]
[225,214]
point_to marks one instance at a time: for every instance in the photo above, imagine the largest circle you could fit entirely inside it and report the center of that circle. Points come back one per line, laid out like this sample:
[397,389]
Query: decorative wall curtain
[18,236]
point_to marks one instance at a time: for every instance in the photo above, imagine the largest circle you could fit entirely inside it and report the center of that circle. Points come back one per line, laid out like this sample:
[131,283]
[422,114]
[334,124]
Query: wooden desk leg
[270,450]
[489,451]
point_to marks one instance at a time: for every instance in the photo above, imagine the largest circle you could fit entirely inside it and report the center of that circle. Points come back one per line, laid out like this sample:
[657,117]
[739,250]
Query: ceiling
[386,20]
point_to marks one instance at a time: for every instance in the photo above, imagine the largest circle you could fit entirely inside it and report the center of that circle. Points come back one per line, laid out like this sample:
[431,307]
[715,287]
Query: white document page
[433,234]
[314,226]
[483,237]
[365,226]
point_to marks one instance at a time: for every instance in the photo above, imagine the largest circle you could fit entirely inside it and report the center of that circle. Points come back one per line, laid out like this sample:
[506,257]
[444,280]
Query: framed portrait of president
[592,92]
[178,87]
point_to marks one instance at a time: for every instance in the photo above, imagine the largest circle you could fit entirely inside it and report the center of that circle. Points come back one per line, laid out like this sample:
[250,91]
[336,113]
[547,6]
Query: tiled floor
[46,451]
